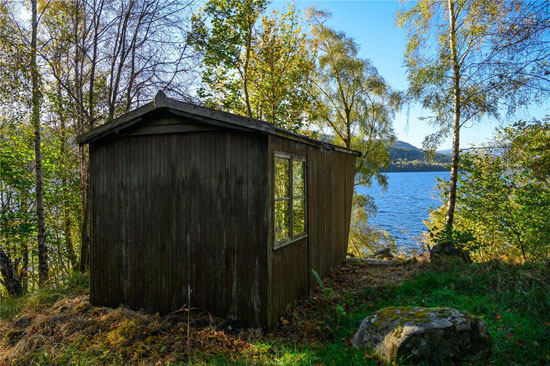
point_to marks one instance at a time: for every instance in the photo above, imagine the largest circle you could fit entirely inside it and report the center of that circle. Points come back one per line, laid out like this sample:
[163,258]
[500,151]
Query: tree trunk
[449,217]
[41,231]
[11,281]
[85,237]
[245,68]
[66,206]
[24,272]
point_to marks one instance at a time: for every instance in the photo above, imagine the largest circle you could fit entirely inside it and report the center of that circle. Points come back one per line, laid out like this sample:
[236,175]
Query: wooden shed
[237,209]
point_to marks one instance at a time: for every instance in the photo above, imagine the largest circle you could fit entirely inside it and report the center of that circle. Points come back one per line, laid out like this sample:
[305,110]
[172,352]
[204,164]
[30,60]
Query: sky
[372,25]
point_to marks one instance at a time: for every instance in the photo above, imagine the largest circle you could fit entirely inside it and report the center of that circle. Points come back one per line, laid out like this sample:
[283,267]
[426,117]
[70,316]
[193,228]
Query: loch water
[402,208]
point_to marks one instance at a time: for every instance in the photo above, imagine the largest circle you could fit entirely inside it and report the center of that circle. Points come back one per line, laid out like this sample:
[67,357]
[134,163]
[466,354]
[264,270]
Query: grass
[74,285]
[513,301]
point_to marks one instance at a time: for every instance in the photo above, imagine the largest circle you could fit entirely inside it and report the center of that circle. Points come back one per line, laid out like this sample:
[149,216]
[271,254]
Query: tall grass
[73,285]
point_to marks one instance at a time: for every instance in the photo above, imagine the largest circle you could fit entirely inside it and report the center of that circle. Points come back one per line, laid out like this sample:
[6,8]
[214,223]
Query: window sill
[286,242]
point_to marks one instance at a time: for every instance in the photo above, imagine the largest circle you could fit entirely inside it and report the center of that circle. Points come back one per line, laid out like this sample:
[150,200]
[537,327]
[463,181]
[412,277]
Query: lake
[404,205]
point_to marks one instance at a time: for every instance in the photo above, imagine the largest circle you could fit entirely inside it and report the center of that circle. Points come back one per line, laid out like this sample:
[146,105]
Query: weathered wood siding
[170,210]
[329,191]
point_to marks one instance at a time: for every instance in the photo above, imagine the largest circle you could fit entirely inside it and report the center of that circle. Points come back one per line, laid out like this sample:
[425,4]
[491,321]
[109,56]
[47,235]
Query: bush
[503,197]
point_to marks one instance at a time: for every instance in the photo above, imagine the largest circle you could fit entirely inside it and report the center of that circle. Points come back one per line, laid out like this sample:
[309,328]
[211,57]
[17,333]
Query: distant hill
[404,145]
[408,158]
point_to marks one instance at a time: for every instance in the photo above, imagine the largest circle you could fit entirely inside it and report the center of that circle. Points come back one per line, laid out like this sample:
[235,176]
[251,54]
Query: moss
[124,332]
[390,313]
[398,331]
[410,315]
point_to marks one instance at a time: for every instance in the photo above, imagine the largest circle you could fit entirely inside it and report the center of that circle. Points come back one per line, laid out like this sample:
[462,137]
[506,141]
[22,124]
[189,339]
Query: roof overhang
[200,114]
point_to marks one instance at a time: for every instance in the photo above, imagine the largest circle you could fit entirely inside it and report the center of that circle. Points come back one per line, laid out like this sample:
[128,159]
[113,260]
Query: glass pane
[298,181]
[282,178]
[298,216]
[282,220]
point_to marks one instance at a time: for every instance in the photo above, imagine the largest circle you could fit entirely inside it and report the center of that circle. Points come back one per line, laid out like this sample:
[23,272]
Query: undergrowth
[512,300]
[75,284]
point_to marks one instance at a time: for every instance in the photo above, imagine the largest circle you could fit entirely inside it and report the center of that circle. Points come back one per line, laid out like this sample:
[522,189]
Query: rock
[382,253]
[381,262]
[443,250]
[415,334]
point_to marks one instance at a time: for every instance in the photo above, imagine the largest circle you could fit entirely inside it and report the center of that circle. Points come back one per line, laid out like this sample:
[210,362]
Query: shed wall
[173,210]
[330,177]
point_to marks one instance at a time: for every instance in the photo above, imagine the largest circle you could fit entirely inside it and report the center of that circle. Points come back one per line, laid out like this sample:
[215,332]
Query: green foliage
[318,279]
[364,238]
[456,238]
[72,285]
[254,64]
[504,196]
[17,199]
[401,165]
[328,293]
[352,100]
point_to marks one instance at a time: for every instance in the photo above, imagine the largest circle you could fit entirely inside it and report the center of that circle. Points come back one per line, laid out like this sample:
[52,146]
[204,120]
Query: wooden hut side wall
[331,182]
[176,209]
[330,176]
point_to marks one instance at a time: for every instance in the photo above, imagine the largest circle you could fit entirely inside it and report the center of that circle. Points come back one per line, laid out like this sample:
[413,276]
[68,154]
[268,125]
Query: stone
[382,253]
[445,250]
[424,335]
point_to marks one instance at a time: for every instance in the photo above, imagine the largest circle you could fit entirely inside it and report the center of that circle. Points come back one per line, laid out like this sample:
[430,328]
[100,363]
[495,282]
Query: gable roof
[200,114]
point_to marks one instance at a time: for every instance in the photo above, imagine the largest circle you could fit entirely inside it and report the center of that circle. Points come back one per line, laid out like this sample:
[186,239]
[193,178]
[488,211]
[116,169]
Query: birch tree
[352,102]
[468,60]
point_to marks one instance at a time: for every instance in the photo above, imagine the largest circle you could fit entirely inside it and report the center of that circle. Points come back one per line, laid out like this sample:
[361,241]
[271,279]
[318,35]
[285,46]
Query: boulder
[382,253]
[428,335]
[445,250]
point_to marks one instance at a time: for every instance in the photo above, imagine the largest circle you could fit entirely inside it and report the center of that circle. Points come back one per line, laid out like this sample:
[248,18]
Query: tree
[226,48]
[254,64]
[281,71]
[352,102]
[355,107]
[503,206]
[463,65]
[11,280]
[35,116]
[108,57]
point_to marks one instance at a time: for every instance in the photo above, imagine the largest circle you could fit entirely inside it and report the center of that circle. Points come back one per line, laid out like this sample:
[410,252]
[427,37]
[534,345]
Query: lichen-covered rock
[430,335]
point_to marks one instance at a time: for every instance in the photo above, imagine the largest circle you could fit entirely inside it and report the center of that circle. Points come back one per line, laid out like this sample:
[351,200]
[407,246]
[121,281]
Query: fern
[318,279]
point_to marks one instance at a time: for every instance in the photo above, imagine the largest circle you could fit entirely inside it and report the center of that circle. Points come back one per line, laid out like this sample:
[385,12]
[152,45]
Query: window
[290,198]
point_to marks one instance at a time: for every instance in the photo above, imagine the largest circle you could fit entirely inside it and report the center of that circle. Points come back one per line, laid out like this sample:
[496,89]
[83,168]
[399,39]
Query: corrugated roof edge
[206,115]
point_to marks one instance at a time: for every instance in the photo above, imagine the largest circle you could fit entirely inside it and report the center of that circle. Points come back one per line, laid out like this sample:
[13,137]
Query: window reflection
[298,184]
[282,179]
[298,216]
[282,221]
[290,198]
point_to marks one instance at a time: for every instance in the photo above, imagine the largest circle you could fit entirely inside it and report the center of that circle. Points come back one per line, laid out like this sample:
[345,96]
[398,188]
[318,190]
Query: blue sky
[372,26]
